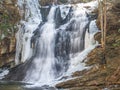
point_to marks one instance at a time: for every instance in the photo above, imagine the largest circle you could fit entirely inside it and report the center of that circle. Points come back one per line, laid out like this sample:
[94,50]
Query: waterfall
[44,58]
[53,40]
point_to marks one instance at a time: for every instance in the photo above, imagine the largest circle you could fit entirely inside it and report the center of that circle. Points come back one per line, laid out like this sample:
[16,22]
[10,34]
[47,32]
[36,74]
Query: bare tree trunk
[104,24]
[102,10]
[101,22]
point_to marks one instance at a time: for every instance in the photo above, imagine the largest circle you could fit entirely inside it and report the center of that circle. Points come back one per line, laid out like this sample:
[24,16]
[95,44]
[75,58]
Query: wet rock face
[44,12]
[50,2]
[47,2]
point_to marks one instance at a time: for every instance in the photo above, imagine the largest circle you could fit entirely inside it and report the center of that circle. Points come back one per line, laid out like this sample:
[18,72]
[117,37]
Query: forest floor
[104,73]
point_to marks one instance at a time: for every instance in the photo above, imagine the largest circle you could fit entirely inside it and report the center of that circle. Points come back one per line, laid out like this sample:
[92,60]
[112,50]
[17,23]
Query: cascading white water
[53,44]
[45,60]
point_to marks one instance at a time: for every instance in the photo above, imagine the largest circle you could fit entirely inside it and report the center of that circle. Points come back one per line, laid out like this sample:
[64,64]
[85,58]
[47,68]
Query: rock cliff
[9,16]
